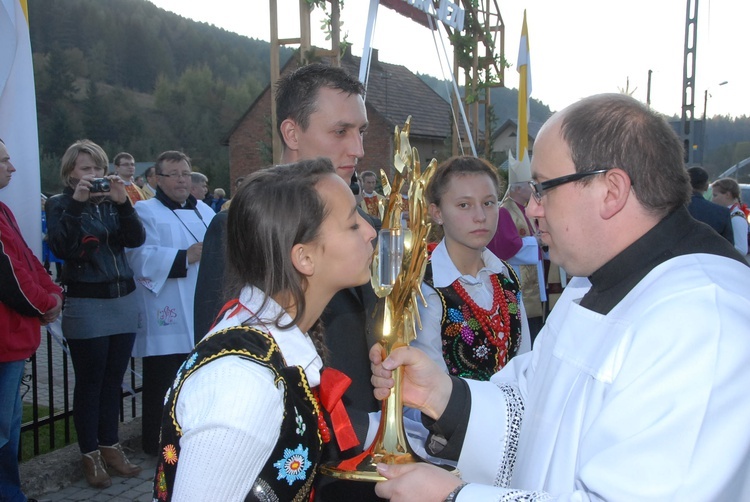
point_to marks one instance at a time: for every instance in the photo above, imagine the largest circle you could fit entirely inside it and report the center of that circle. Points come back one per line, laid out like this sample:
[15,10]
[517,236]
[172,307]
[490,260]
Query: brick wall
[245,154]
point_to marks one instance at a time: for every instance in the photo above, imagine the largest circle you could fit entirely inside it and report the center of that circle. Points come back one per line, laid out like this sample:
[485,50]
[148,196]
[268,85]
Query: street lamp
[705,123]
[705,99]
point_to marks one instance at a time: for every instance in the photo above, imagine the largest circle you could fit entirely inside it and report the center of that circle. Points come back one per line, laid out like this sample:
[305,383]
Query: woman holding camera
[89,225]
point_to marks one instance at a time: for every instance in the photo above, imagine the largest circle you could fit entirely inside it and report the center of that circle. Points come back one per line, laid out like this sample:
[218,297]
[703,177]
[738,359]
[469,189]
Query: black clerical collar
[190,203]
[675,235]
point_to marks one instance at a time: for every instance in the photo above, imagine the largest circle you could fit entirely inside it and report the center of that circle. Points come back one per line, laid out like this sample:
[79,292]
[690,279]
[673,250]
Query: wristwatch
[452,495]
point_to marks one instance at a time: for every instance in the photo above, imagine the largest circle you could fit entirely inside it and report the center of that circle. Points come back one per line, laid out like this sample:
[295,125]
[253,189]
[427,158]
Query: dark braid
[317,335]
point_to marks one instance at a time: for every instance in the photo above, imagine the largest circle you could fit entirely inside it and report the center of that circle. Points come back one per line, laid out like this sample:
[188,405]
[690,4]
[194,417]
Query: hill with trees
[131,76]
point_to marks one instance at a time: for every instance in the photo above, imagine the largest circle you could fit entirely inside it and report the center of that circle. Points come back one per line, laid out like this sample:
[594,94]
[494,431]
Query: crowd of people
[254,315]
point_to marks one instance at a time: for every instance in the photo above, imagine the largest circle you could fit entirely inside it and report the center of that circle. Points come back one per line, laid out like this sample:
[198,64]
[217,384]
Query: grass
[27,438]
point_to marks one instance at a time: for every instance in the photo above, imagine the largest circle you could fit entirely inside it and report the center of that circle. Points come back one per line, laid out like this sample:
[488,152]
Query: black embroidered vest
[466,349]
[291,467]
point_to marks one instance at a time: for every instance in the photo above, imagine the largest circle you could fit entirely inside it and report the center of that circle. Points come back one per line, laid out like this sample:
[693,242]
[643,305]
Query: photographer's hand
[117,193]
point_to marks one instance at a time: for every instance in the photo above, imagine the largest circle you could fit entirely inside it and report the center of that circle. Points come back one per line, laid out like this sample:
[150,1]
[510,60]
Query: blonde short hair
[68,162]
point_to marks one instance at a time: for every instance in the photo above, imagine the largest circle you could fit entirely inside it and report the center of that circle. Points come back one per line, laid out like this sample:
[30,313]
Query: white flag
[18,126]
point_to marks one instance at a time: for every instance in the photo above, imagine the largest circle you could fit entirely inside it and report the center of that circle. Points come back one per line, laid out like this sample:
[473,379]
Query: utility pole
[688,81]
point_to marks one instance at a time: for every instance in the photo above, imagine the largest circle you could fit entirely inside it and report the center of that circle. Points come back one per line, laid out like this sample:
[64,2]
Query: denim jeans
[99,365]
[10,430]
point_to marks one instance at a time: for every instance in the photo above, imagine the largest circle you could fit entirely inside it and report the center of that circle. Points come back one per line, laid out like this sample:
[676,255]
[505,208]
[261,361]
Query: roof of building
[394,92]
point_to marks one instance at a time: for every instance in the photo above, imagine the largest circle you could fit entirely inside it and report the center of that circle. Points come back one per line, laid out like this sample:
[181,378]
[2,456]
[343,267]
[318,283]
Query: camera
[99,185]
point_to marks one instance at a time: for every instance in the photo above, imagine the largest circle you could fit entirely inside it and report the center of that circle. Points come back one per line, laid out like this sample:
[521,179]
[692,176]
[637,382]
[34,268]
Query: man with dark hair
[28,299]
[166,271]
[714,215]
[321,113]
[636,388]
[125,168]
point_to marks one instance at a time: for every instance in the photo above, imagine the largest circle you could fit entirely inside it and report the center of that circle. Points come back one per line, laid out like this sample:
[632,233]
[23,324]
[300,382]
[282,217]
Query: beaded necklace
[492,323]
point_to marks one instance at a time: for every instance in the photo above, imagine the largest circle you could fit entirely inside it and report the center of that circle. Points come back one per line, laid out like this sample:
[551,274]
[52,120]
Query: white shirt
[230,410]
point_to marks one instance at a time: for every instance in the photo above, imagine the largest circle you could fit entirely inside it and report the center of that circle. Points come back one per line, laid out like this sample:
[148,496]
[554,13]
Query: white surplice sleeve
[497,409]
[229,434]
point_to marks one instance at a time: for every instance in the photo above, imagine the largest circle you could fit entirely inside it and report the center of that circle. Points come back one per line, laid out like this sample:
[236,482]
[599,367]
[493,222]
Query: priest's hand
[425,385]
[419,482]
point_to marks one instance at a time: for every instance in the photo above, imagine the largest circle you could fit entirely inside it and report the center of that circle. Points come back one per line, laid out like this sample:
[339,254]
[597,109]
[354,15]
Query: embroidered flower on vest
[293,467]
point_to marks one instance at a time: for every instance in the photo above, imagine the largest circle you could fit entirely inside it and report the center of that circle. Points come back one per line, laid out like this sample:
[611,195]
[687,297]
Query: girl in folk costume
[726,192]
[474,321]
[243,420]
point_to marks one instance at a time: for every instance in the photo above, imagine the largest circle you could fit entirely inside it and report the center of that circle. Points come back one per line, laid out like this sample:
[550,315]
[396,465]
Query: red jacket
[25,289]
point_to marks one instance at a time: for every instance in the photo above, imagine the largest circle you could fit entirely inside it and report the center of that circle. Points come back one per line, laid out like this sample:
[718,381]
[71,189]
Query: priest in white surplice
[636,388]
[166,270]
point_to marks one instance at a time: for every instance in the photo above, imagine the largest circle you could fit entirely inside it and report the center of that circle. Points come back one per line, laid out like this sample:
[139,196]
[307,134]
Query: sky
[578,47]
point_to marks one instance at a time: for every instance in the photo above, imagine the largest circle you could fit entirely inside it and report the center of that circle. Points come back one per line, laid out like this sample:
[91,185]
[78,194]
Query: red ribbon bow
[333,384]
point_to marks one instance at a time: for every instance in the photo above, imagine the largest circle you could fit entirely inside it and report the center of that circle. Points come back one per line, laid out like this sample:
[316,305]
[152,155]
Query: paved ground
[122,489]
[57,476]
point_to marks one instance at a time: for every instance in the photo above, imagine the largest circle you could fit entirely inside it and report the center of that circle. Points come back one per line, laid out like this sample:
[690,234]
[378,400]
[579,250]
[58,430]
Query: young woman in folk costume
[474,321]
[242,420]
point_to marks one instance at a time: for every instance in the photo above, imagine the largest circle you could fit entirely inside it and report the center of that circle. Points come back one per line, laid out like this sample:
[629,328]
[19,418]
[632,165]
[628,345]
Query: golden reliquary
[397,270]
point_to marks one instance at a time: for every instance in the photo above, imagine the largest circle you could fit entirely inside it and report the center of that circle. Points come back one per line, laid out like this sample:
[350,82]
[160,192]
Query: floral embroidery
[191,361]
[468,349]
[170,454]
[161,484]
[455,315]
[301,425]
[481,352]
[294,465]
[467,334]
[453,330]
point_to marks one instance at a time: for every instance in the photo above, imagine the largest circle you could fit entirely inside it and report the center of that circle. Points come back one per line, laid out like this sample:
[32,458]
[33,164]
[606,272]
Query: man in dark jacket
[710,213]
[320,113]
[28,298]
